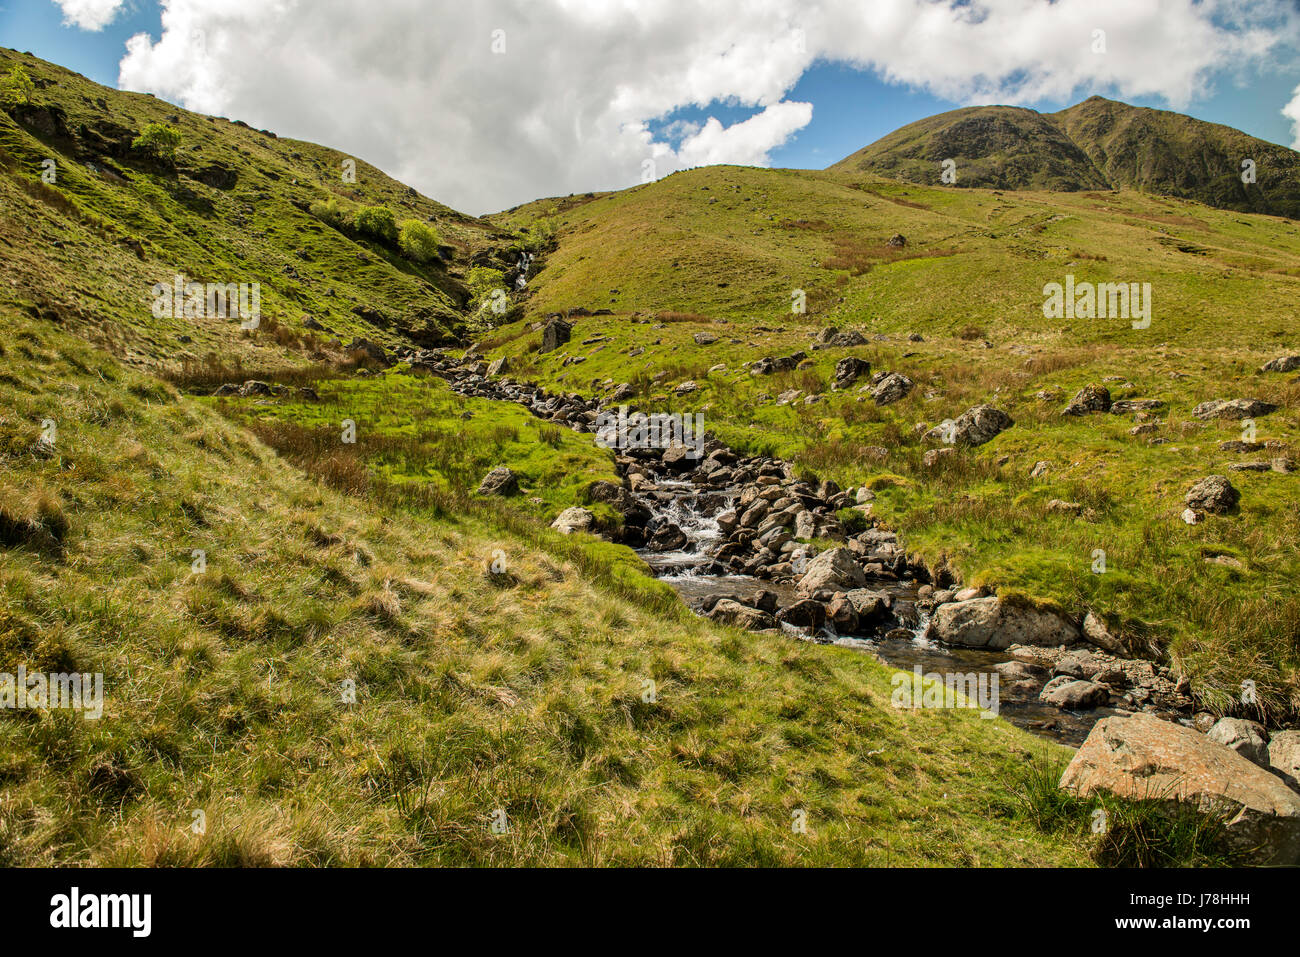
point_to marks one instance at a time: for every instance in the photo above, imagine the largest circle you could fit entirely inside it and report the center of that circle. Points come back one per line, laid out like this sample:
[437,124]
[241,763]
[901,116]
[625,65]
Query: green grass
[521,691]
[1217,318]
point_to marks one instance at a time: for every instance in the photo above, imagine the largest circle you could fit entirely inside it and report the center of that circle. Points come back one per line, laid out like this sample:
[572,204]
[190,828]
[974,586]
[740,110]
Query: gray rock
[731,612]
[1091,398]
[500,481]
[575,519]
[994,624]
[1140,757]
[836,569]
[1245,737]
[975,426]
[1071,694]
[893,387]
[1281,364]
[1284,756]
[1233,409]
[1214,493]
[556,334]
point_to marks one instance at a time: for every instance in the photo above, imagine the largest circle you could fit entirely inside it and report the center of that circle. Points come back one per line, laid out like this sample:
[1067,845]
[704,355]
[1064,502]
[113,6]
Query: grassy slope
[524,693]
[67,258]
[1226,289]
[474,692]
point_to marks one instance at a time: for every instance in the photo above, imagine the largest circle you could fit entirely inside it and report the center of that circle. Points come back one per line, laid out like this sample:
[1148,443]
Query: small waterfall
[525,263]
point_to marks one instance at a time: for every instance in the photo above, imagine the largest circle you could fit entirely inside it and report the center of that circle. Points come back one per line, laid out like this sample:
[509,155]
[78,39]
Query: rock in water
[1141,756]
[1073,694]
[992,623]
[835,569]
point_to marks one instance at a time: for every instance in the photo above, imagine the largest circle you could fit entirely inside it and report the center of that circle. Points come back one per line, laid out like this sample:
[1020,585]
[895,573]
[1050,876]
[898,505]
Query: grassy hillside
[474,692]
[232,568]
[1096,144]
[234,206]
[720,251]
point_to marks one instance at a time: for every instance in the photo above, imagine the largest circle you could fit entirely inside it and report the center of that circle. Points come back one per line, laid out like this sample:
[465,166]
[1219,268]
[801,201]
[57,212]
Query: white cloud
[415,87]
[1292,112]
[89,14]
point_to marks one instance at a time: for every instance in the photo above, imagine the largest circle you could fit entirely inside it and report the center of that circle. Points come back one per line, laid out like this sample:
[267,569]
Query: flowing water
[696,577]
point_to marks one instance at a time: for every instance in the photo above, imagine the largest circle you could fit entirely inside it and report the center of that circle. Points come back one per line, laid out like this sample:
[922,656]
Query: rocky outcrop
[1214,494]
[975,426]
[575,519]
[1091,398]
[1233,409]
[1140,757]
[500,481]
[994,624]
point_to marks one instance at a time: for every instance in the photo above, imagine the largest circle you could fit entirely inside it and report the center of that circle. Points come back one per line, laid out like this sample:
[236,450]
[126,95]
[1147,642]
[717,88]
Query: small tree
[158,140]
[418,241]
[16,88]
[378,222]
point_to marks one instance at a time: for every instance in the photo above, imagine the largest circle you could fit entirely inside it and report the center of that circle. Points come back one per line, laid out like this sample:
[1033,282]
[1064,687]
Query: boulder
[975,426]
[500,481]
[555,334]
[575,519]
[835,569]
[1284,756]
[1233,409]
[805,613]
[668,538]
[1091,398]
[1141,756]
[498,367]
[1281,364]
[730,612]
[1134,406]
[1073,694]
[1214,493]
[893,387]
[994,624]
[1245,737]
[849,369]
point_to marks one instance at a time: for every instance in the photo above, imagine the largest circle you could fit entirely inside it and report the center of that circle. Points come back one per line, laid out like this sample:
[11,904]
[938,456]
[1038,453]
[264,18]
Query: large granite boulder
[1140,757]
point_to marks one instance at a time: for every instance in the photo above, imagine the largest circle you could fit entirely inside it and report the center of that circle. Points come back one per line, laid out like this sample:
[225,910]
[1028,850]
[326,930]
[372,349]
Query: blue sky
[851,107]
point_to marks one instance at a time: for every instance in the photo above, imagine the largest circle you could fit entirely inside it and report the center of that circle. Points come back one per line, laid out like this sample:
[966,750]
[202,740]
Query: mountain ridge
[1096,144]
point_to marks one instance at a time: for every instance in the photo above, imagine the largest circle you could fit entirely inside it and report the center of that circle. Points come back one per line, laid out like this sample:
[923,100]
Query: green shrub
[158,139]
[418,241]
[17,88]
[377,222]
[332,213]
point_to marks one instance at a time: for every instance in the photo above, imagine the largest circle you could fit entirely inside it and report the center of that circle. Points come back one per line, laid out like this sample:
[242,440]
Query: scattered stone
[1281,364]
[556,333]
[1091,398]
[1233,409]
[1140,757]
[1133,406]
[849,369]
[500,481]
[975,426]
[1214,494]
[891,388]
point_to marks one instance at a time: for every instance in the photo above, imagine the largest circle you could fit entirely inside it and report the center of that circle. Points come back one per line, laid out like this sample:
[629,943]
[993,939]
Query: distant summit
[1097,144]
